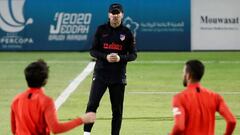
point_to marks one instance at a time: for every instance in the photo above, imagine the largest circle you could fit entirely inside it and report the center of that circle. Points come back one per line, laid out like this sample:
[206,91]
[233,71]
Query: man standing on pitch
[33,112]
[113,47]
[195,107]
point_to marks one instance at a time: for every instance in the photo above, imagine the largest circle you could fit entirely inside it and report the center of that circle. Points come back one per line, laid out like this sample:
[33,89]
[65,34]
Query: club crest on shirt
[122,37]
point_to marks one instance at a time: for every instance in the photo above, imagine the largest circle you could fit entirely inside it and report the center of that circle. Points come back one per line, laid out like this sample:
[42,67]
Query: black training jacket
[112,40]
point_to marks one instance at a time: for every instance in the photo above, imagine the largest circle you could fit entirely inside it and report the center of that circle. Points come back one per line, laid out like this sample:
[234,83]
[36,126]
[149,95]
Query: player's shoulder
[17,97]
[210,92]
[180,94]
[103,26]
[179,98]
[125,28]
[217,97]
[214,94]
[46,101]
[46,98]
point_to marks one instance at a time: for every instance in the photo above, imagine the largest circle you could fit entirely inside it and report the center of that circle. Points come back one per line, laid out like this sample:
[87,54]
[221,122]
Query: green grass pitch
[152,81]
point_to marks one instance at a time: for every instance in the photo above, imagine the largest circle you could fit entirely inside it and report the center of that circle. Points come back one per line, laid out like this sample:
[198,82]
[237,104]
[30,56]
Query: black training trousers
[116,92]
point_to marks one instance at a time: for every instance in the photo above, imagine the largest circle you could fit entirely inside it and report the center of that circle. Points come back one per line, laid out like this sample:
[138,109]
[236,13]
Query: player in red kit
[33,112]
[195,107]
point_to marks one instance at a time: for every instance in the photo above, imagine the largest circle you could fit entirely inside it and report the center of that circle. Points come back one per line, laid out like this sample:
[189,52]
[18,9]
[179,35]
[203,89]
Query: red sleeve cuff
[80,121]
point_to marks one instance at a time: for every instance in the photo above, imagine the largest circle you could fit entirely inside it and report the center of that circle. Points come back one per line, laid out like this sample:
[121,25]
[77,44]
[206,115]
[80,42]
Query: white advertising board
[215,25]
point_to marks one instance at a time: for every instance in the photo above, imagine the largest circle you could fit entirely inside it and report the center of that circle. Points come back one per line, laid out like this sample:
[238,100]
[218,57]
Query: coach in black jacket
[113,47]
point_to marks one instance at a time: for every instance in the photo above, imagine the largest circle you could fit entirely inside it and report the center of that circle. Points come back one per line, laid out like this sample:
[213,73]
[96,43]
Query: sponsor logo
[11,16]
[219,20]
[12,21]
[13,41]
[112,46]
[219,23]
[168,26]
[70,26]
[132,25]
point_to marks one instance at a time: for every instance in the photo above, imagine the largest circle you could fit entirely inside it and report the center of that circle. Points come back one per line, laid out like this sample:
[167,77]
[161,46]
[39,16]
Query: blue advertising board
[60,25]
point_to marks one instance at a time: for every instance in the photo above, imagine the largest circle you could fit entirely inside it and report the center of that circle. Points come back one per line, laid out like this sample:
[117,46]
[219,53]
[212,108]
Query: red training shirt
[194,112]
[34,113]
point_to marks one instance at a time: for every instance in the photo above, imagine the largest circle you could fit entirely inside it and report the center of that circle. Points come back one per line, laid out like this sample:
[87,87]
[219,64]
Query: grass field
[153,79]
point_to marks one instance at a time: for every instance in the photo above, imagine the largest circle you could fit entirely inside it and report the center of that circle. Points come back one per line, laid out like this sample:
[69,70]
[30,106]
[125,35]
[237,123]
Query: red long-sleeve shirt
[194,112]
[34,113]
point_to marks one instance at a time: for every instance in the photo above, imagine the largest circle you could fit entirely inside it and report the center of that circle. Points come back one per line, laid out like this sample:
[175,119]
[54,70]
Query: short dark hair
[36,73]
[195,68]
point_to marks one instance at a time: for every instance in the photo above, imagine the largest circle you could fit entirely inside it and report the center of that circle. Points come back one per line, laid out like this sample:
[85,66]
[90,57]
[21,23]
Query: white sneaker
[86,133]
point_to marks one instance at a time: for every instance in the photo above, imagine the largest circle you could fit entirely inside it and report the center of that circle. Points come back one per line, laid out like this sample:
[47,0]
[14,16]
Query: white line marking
[174,92]
[50,61]
[152,92]
[134,62]
[73,85]
[182,62]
